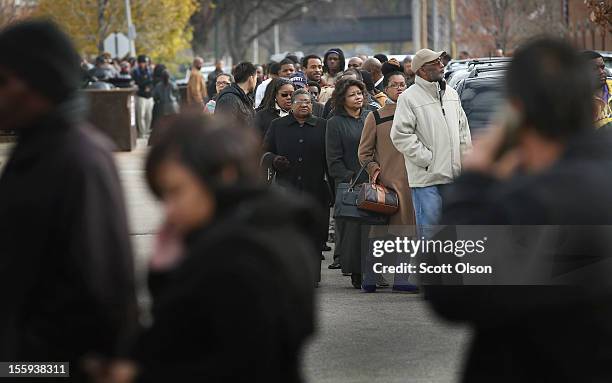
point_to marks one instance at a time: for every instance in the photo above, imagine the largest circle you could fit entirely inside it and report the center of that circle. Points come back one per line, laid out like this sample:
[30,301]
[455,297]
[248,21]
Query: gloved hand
[281,163]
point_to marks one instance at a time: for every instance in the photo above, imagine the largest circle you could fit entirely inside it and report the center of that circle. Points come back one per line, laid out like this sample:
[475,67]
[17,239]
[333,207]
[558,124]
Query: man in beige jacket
[431,130]
[196,87]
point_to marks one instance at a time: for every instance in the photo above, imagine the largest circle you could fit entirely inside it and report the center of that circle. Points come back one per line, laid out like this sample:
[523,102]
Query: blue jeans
[427,203]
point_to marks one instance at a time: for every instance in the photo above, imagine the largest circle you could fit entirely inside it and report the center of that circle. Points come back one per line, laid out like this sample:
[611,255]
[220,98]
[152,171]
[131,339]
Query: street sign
[117,44]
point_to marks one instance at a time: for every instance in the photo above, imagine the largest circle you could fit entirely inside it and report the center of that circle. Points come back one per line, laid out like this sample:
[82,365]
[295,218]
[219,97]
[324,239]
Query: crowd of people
[247,173]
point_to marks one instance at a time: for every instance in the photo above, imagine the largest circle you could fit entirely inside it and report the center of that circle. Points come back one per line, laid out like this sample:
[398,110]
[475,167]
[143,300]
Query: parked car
[607,56]
[481,94]
[462,73]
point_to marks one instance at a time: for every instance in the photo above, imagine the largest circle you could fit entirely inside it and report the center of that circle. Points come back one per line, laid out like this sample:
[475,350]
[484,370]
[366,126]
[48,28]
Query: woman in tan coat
[376,146]
[376,149]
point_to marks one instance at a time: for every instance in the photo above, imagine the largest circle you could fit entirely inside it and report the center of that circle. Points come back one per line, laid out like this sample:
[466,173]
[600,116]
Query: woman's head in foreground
[197,159]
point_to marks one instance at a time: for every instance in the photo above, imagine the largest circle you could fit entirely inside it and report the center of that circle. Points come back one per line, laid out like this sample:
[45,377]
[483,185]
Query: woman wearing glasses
[276,103]
[295,148]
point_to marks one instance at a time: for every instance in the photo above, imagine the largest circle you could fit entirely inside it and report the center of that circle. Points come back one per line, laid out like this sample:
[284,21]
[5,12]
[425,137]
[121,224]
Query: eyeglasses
[286,94]
[397,85]
[302,102]
[435,62]
[222,83]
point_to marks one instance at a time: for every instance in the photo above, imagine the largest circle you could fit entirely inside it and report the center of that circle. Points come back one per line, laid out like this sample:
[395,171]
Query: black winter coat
[263,118]
[539,333]
[66,268]
[240,305]
[304,147]
[235,105]
[342,143]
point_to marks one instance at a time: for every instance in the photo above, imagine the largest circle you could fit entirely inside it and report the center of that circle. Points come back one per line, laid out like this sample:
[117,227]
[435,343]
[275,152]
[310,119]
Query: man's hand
[486,147]
[281,163]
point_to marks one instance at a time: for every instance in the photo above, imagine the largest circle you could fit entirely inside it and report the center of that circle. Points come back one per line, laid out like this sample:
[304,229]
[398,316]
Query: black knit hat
[43,56]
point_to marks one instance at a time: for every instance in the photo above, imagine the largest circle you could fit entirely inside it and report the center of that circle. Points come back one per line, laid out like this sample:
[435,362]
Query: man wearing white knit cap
[431,130]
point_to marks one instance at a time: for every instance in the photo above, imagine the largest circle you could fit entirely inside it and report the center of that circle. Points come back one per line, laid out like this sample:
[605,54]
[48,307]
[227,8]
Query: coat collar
[430,88]
[312,120]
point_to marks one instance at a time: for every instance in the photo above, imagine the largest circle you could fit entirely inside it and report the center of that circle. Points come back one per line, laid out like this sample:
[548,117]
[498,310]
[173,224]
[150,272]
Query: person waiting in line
[386,164]
[313,68]
[333,66]
[374,66]
[223,80]
[276,103]
[273,69]
[287,68]
[342,144]
[355,63]
[374,98]
[352,74]
[234,102]
[315,89]
[295,148]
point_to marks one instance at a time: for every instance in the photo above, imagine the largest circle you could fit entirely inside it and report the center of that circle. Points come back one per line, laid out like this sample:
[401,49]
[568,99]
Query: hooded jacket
[431,130]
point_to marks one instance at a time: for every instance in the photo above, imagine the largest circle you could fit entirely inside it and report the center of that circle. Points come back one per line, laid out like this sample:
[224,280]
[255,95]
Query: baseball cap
[424,56]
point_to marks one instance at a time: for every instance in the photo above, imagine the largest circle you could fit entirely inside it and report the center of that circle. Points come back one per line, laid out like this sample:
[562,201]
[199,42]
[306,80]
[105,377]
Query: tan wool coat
[376,145]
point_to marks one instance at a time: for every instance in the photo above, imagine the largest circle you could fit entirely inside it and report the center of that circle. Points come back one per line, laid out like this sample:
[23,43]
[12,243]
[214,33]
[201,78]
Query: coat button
[301,140]
[299,178]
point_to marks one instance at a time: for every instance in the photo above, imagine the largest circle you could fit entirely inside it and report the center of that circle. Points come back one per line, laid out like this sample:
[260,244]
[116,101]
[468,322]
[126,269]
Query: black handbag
[346,206]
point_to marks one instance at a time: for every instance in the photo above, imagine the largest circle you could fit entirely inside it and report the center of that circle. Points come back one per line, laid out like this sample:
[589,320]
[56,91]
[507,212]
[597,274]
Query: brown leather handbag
[377,198]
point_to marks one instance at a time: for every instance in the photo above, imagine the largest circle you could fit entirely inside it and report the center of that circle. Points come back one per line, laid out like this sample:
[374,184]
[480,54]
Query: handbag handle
[352,185]
[375,176]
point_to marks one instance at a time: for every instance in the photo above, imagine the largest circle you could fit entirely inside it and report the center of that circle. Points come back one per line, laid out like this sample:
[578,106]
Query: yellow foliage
[162,26]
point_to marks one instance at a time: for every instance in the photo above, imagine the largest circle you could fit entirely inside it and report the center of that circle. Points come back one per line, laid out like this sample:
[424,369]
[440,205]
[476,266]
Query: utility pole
[276,39]
[256,42]
[453,20]
[131,28]
[424,26]
[416,25]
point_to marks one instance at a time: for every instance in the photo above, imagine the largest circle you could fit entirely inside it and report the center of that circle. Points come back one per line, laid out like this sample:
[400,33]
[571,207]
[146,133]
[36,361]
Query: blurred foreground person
[547,166]
[66,273]
[238,302]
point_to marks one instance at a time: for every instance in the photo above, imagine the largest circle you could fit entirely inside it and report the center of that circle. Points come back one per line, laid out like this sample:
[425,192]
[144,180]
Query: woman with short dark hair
[342,143]
[234,305]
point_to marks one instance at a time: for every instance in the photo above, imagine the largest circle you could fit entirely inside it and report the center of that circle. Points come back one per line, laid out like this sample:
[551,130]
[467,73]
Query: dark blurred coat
[66,268]
[539,333]
[240,305]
